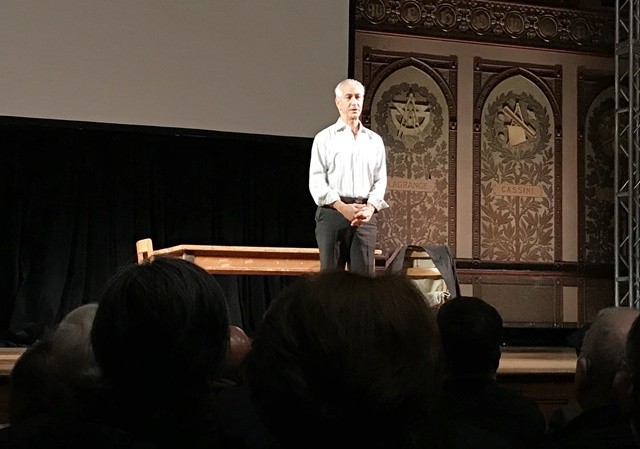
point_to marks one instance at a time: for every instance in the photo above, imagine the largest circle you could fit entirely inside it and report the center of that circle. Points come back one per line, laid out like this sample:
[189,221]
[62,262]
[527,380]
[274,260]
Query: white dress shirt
[349,166]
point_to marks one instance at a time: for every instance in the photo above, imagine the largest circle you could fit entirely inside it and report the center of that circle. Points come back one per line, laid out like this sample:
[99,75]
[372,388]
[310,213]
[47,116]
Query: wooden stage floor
[514,360]
[545,374]
[518,360]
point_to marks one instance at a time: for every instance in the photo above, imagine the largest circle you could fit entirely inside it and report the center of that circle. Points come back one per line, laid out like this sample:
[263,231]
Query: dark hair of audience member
[471,333]
[342,359]
[160,335]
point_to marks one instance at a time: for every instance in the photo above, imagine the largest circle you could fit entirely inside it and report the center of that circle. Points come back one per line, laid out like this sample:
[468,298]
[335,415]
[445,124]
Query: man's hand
[348,211]
[363,215]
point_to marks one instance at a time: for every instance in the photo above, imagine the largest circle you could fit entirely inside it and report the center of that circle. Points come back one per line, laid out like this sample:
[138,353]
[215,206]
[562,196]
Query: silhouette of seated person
[561,416]
[472,410]
[343,360]
[72,358]
[627,382]
[33,394]
[160,335]
[600,424]
[55,383]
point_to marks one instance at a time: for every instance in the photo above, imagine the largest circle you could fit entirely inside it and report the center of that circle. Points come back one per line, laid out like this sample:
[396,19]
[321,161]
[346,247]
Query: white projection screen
[247,66]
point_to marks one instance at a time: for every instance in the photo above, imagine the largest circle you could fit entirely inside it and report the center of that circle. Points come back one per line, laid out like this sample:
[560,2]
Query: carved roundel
[446,17]
[374,10]
[547,27]
[580,31]
[480,20]
[411,13]
[514,24]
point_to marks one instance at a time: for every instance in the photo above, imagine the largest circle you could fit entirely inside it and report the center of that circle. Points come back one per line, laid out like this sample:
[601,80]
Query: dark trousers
[341,244]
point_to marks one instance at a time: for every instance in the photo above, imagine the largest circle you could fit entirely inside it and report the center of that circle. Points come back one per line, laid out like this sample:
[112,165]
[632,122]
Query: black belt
[351,200]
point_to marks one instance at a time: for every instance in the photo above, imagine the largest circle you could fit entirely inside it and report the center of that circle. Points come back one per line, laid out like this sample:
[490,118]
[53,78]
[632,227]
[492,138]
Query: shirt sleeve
[318,185]
[379,187]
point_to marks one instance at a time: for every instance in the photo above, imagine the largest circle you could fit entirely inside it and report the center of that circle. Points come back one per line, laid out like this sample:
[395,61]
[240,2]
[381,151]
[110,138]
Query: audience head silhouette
[628,382]
[72,353]
[33,390]
[54,375]
[472,410]
[160,335]
[601,356]
[344,358]
[471,333]
[597,421]
[54,384]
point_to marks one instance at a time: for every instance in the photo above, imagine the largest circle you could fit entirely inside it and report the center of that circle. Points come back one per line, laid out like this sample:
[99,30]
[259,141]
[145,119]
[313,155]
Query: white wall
[231,65]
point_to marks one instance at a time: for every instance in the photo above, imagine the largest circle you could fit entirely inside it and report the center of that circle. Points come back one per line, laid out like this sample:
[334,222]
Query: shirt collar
[341,126]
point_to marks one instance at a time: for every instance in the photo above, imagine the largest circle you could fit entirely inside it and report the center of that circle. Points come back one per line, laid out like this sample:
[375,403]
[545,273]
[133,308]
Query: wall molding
[491,22]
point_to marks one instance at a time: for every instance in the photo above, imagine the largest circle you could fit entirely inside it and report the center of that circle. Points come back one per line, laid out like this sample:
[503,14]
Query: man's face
[350,102]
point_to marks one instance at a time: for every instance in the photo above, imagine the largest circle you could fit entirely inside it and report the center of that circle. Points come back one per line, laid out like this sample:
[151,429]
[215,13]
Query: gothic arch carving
[421,146]
[517,188]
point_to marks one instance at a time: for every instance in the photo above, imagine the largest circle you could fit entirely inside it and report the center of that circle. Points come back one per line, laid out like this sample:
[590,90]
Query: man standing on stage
[348,180]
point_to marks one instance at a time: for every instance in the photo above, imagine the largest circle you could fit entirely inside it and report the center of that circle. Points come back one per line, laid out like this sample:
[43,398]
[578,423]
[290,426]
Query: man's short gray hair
[338,89]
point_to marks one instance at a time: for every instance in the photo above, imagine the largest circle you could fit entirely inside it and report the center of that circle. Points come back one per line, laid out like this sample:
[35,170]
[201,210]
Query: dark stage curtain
[75,197]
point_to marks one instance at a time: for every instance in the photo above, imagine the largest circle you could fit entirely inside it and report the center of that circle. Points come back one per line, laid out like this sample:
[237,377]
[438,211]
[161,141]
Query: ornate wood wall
[496,117]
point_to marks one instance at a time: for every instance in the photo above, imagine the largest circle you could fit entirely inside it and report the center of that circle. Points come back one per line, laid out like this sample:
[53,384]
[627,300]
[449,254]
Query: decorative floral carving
[514,226]
[411,123]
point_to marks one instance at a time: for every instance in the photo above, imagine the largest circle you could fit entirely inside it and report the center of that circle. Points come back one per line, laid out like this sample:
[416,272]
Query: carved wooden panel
[489,21]
[411,102]
[533,295]
[596,134]
[522,300]
[517,162]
